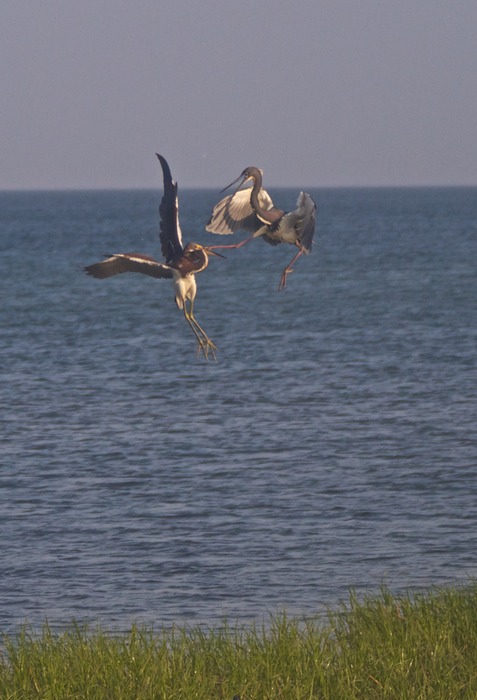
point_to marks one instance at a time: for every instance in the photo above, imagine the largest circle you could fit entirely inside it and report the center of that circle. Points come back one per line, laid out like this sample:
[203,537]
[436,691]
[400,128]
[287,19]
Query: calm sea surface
[332,445]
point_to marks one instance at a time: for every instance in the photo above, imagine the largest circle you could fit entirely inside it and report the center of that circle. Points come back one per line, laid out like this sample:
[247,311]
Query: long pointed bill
[209,250]
[243,178]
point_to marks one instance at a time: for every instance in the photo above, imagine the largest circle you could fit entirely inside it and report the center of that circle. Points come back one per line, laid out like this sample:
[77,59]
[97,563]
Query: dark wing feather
[305,224]
[129,262]
[170,230]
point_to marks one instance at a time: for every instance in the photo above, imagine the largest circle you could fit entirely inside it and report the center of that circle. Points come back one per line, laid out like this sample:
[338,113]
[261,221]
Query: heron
[252,209]
[181,263]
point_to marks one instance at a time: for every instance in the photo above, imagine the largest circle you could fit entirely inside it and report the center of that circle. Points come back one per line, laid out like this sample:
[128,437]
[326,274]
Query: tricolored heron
[182,264]
[252,210]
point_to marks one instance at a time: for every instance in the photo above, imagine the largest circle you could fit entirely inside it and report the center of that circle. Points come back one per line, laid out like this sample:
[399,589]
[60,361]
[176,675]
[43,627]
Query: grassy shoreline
[385,646]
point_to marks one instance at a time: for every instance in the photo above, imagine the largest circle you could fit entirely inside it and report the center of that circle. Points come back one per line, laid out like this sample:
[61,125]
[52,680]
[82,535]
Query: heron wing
[235,213]
[305,221]
[129,262]
[170,232]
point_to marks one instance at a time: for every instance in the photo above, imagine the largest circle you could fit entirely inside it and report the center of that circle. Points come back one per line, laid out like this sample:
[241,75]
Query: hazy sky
[315,92]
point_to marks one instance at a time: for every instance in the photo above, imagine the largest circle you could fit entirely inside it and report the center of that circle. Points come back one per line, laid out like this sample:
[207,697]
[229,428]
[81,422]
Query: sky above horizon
[314,92]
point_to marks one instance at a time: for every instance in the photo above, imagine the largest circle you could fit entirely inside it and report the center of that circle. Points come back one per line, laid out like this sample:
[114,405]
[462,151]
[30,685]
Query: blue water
[332,445]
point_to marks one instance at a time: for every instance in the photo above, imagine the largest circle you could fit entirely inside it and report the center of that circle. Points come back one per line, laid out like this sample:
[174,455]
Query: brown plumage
[182,264]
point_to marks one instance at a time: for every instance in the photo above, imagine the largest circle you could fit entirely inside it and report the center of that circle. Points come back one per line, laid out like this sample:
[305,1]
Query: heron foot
[283,279]
[288,269]
[205,345]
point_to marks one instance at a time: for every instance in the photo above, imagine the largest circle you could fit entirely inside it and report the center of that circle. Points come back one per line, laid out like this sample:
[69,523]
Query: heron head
[250,173]
[196,247]
[191,247]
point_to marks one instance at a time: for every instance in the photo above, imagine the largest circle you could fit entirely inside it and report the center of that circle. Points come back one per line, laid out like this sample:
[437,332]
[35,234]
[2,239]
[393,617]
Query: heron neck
[267,216]
[255,204]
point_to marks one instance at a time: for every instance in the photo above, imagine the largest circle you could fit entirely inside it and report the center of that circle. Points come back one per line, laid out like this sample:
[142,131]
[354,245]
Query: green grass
[386,646]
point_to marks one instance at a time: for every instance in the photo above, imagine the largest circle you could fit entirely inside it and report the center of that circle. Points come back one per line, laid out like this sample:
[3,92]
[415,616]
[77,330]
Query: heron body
[253,210]
[181,263]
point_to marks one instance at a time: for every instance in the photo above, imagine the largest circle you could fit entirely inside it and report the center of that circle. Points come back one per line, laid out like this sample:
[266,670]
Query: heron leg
[287,270]
[202,345]
[209,345]
[235,245]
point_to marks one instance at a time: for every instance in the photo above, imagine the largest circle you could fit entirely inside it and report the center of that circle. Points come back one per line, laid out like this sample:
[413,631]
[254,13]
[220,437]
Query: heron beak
[208,249]
[243,178]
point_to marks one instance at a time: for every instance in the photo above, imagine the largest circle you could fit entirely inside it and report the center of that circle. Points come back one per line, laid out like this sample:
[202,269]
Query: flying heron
[252,210]
[182,264]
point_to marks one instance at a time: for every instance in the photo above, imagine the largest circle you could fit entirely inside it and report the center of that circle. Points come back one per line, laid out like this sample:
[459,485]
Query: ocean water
[331,445]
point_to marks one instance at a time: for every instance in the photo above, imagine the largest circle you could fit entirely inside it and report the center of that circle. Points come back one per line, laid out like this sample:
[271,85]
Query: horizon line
[84,188]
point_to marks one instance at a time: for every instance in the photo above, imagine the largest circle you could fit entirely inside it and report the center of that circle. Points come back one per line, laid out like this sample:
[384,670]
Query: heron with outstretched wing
[181,263]
[253,210]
